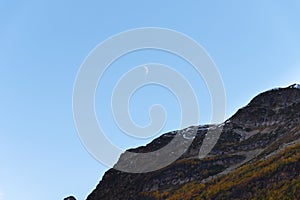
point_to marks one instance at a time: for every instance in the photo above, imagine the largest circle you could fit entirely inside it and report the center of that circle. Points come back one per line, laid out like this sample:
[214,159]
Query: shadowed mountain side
[256,155]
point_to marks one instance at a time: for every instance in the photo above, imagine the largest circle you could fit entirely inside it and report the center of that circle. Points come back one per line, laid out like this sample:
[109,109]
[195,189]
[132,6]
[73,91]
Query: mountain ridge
[264,128]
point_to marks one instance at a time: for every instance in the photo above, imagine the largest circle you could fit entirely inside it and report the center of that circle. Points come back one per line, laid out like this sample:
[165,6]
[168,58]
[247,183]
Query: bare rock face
[271,107]
[269,123]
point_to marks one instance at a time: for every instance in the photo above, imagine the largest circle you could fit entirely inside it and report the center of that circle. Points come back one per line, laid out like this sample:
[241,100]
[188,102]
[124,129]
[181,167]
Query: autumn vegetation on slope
[277,177]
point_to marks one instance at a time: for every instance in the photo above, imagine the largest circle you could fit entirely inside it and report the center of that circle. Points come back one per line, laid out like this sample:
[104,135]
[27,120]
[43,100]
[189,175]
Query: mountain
[256,157]
[70,198]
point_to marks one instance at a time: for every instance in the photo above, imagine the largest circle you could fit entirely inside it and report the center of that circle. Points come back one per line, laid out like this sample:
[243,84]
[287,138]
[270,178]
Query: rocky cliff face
[256,134]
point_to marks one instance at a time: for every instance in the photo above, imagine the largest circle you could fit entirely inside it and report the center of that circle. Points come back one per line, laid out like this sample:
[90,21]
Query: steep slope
[260,133]
[277,177]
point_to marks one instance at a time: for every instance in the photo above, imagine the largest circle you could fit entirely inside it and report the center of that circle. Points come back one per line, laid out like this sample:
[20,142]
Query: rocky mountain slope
[256,156]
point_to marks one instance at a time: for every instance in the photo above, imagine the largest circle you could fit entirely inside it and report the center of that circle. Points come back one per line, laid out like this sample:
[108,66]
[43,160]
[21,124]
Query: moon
[146,70]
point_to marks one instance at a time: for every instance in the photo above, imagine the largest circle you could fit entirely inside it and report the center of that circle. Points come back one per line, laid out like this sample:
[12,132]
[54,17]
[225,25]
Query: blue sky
[255,45]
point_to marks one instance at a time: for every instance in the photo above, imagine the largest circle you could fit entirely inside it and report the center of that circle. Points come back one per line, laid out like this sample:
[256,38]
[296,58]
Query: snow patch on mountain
[296,86]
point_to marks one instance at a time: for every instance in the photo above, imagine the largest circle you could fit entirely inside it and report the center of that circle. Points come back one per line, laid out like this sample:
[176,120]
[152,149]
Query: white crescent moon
[146,70]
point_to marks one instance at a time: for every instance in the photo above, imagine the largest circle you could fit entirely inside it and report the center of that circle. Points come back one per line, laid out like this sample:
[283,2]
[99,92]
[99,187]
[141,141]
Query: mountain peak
[70,198]
[296,86]
[270,107]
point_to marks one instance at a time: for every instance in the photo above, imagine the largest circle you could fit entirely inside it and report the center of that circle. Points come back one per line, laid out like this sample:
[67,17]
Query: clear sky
[255,44]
